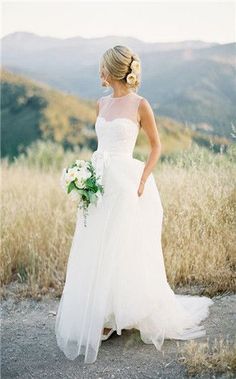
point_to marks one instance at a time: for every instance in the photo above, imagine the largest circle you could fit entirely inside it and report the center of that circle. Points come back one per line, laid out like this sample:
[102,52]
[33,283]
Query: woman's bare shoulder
[144,104]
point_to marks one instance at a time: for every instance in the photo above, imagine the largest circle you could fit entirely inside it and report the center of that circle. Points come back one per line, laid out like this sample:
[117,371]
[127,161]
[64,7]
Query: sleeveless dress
[115,273]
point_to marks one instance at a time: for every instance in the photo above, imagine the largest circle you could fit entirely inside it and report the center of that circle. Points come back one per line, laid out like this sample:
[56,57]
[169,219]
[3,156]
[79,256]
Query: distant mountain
[190,81]
[72,64]
[196,87]
[32,111]
[33,42]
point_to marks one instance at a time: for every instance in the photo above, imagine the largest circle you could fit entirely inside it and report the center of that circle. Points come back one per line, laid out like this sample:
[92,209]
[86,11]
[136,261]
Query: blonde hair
[117,61]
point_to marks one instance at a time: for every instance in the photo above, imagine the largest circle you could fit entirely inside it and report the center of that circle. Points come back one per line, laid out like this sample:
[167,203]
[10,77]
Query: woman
[116,276]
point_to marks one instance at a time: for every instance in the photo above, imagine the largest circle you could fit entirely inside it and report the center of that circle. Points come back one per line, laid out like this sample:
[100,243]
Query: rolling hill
[32,111]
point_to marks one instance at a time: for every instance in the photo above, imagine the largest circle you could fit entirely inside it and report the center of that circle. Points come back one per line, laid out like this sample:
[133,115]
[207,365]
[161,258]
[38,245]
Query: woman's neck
[118,93]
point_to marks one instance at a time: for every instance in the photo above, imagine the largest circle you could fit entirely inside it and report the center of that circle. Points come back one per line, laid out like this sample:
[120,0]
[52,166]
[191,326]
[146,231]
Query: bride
[116,276]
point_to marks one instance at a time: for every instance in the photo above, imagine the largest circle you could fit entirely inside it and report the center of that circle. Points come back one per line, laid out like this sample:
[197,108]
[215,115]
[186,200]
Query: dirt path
[29,347]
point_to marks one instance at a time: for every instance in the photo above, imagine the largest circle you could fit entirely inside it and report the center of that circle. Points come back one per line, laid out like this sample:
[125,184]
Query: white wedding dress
[115,274]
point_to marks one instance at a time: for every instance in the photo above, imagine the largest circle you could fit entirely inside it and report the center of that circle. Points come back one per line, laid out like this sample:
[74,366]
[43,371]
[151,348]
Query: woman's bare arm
[97,108]
[148,123]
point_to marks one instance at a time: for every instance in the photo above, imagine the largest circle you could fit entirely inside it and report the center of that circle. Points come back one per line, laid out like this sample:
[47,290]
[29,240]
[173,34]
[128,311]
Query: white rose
[71,174]
[135,66]
[80,162]
[80,182]
[81,177]
[131,78]
[66,178]
[83,173]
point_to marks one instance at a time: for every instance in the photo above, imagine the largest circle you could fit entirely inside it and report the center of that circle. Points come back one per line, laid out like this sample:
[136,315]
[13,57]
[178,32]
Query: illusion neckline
[120,97]
[119,118]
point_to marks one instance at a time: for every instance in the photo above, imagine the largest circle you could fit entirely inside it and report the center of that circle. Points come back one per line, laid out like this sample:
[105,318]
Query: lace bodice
[117,125]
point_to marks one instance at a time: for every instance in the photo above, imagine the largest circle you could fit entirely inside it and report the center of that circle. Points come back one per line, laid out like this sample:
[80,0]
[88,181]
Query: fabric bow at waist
[102,158]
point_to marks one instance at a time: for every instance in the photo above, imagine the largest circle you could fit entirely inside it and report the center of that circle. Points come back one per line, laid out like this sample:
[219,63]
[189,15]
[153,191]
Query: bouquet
[80,182]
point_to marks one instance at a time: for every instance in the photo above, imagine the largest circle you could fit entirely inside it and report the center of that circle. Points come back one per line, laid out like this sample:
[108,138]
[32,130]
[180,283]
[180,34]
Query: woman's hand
[141,187]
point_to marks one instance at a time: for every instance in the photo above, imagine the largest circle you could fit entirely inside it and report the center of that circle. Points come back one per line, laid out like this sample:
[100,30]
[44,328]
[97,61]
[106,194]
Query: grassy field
[197,189]
[204,358]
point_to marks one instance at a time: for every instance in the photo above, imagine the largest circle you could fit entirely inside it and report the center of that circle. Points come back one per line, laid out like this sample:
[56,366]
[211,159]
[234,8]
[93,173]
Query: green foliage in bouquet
[80,181]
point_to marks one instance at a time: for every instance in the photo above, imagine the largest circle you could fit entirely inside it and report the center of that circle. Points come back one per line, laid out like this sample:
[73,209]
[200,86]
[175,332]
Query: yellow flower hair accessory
[135,67]
[131,78]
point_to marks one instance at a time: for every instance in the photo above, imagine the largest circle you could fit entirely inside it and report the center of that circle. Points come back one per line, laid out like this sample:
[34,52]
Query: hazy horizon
[161,21]
[75,36]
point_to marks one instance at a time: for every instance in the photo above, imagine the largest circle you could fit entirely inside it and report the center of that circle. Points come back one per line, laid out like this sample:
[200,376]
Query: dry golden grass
[198,229]
[199,211]
[36,229]
[217,357]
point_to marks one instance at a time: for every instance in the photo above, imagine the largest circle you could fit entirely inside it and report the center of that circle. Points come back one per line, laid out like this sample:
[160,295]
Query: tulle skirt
[116,275]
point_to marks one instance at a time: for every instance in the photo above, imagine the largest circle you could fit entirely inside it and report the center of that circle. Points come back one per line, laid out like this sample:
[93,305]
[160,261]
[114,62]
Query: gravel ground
[29,347]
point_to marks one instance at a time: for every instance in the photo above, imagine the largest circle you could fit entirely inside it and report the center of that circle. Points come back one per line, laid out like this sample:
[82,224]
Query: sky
[149,21]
